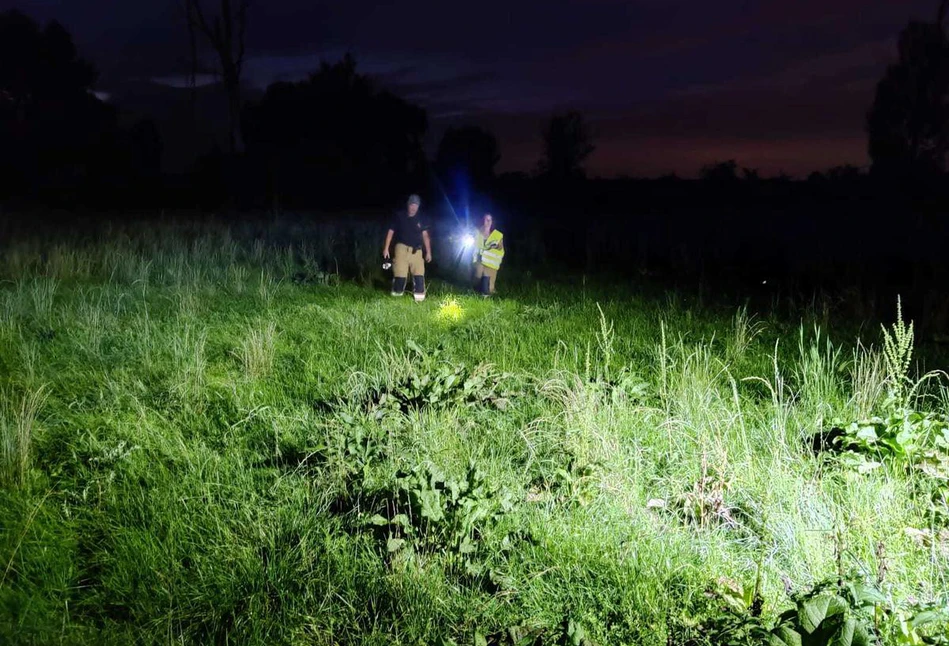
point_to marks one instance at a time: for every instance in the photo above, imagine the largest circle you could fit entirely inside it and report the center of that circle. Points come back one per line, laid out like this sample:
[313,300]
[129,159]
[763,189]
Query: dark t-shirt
[408,230]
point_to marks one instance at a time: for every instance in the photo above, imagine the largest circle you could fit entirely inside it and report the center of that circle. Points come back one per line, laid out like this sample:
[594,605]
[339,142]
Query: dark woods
[337,143]
[331,141]
[59,143]
[334,141]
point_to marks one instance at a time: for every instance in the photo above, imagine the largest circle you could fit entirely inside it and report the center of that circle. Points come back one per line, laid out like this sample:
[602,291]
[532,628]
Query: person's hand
[385,254]
[428,257]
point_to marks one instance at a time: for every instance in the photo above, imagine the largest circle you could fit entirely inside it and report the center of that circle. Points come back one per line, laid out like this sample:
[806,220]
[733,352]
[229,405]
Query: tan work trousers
[481,270]
[407,261]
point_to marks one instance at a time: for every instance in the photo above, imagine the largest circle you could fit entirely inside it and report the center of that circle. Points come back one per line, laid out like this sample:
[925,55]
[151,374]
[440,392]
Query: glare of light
[450,311]
[468,240]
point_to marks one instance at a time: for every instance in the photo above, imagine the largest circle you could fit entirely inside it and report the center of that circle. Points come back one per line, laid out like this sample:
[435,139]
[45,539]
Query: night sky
[669,85]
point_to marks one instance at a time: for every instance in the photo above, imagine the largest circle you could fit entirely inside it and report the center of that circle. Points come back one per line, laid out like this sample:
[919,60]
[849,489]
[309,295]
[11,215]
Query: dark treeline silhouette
[908,124]
[335,142]
[59,143]
[567,144]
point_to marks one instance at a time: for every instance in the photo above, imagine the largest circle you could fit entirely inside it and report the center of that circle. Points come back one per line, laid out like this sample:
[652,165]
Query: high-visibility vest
[487,249]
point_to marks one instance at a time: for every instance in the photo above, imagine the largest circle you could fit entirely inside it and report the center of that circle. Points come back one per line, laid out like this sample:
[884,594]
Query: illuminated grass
[450,311]
[17,427]
[198,476]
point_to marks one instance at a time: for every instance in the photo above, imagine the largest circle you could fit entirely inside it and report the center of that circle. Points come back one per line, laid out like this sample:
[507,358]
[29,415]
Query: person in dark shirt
[409,231]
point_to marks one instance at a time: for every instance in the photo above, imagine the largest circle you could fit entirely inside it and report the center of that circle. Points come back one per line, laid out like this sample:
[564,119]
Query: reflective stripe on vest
[490,258]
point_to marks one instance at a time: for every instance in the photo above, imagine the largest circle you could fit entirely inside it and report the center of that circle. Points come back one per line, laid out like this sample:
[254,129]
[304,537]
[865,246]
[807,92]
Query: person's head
[413,204]
[487,221]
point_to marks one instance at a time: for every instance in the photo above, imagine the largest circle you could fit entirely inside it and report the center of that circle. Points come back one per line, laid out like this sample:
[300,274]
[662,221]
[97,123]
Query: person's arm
[428,245]
[385,248]
[501,244]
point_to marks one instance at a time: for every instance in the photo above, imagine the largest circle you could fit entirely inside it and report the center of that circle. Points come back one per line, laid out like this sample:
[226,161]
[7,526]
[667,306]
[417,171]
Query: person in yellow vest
[489,252]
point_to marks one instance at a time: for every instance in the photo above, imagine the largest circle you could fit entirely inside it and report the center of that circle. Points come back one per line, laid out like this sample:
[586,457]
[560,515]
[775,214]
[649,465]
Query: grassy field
[206,441]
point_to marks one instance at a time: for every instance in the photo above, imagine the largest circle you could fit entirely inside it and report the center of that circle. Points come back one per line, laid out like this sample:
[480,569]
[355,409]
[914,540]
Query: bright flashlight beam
[468,240]
[444,195]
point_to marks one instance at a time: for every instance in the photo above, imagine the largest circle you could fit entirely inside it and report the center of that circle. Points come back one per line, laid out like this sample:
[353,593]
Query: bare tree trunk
[232,87]
[226,35]
[192,76]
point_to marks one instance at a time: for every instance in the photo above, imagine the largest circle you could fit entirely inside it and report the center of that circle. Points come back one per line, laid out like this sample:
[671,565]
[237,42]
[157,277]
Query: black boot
[485,287]
[419,288]
[398,286]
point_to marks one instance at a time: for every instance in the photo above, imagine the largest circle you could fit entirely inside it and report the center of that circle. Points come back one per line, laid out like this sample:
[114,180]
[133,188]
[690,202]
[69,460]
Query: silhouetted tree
[567,144]
[908,124]
[53,130]
[334,134]
[469,150]
[225,32]
[750,174]
[718,172]
[845,173]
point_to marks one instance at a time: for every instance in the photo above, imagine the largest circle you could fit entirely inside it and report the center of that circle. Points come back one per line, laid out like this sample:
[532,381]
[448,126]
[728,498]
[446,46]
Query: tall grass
[818,377]
[188,347]
[745,328]
[237,278]
[266,289]
[867,379]
[203,477]
[258,349]
[17,426]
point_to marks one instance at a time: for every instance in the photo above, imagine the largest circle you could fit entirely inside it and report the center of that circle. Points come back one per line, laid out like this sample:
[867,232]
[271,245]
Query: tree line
[336,139]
